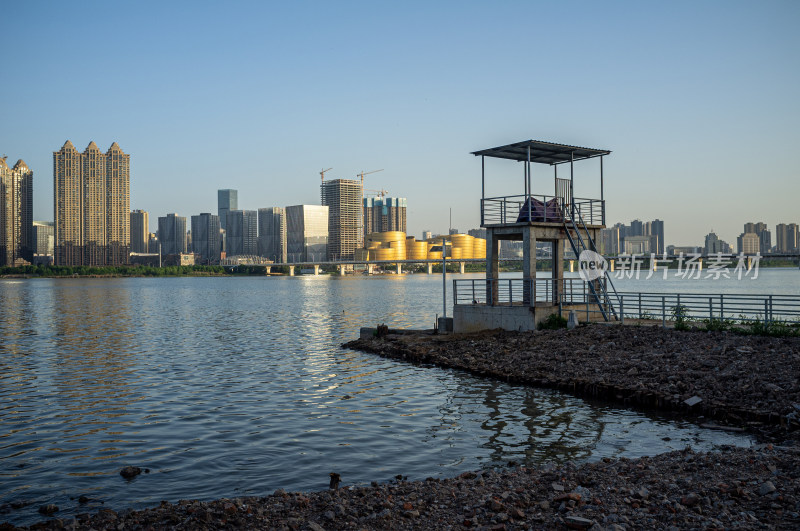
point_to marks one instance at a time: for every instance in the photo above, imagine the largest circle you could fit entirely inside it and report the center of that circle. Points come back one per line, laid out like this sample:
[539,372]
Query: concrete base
[477,317]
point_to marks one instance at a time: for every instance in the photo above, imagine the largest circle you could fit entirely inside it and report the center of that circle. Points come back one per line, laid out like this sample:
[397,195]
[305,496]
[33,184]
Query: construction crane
[322,173]
[381,193]
[363,173]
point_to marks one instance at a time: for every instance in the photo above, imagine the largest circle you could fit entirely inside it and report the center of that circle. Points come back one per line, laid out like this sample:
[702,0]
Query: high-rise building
[43,237]
[427,234]
[786,237]
[206,239]
[307,233]
[227,200]
[382,214]
[656,234]
[16,213]
[636,228]
[241,236]
[343,199]
[714,245]
[140,231]
[92,205]
[748,243]
[172,234]
[272,234]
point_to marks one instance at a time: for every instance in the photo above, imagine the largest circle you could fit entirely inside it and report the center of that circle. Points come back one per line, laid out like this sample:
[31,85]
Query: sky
[698,102]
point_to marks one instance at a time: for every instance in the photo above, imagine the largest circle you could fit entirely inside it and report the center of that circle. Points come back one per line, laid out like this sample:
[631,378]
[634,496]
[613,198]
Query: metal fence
[735,308]
[740,308]
[507,209]
[518,291]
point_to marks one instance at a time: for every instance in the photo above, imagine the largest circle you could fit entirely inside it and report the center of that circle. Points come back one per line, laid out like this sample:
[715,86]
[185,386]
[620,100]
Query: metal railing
[508,209]
[519,291]
[732,307]
[699,307]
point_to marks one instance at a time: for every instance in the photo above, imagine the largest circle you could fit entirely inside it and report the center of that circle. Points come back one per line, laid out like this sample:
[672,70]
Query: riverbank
[742,488]
[749,382]
[746,382]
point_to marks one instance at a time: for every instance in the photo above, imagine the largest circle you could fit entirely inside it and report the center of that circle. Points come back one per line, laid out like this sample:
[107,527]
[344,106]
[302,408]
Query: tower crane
[381,193]
[363,173]
[323,172]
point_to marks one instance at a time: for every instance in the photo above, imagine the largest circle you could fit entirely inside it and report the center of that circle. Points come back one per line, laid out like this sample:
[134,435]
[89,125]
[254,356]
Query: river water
[238,386]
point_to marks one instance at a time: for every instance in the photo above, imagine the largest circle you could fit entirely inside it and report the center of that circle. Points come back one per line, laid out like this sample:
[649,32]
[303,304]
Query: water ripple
[234,386]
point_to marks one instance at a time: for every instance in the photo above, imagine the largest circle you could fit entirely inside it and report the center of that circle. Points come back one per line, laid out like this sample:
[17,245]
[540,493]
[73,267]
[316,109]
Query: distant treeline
[128,271]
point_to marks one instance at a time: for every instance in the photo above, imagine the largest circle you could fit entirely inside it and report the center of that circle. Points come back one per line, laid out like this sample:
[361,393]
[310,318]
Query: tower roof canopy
[542,152]
[20,165]
[67,145]
[92,145]
[115,146]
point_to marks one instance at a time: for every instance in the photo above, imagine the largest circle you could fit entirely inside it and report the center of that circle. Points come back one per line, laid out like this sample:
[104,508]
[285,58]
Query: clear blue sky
[697,100]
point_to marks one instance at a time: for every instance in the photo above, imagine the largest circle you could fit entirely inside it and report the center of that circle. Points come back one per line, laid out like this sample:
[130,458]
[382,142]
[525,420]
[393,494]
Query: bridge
[645,260]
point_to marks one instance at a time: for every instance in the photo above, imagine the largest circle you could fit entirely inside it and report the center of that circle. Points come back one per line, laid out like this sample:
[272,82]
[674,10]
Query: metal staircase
[603,297]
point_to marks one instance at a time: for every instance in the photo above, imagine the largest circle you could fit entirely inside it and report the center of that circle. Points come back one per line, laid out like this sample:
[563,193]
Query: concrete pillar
[399,269]
[612,265]
[268,269]
[572,266]
[461,267]
[492,266]
[369,269]
[291,271]
[430,268]
[699,264]
[341,270]
[558,270]
[528,265]
[316,269]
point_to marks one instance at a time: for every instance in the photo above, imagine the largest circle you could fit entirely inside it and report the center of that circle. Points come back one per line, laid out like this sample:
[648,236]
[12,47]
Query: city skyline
[685,136]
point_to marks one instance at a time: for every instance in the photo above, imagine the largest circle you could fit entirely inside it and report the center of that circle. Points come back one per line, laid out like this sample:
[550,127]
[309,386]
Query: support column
[430,268]
[268,269]
[341,270]
[612,265]
[492,266]
[528,265]
[399,269]
[572,266]
[291,271]
[369,268]
[316,269]
[461,267]
[558,270]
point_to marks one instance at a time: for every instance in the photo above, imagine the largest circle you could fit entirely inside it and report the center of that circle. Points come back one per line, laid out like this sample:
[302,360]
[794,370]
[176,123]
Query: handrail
[730,307]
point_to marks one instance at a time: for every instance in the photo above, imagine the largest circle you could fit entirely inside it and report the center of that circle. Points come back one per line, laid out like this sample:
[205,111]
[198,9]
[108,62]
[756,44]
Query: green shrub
[552,322]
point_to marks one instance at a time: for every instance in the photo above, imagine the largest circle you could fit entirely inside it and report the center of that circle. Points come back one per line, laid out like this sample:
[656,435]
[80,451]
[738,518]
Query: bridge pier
[572,266]
[612,265]
[369,269]
[461,267]
[291,271]
[430,268]
[316,269]
[399,269]
[341,270]
[268,269]
[699,264]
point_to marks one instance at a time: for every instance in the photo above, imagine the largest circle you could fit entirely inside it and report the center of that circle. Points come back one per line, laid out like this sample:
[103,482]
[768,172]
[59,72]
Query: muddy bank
[738,380]
[752,488]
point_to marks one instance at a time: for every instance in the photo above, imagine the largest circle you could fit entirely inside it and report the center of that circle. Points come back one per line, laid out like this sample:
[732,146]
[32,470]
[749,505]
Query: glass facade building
[307,233]
[272,234]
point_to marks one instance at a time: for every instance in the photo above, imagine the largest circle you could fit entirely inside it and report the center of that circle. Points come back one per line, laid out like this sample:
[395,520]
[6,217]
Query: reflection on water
[233,386]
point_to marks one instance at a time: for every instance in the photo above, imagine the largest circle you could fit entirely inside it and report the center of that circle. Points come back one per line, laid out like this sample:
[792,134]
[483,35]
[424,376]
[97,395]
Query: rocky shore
[753,488]
[739,380]
[742,382]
